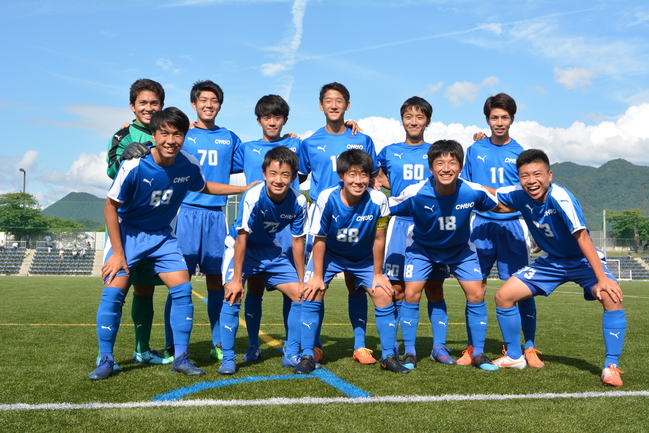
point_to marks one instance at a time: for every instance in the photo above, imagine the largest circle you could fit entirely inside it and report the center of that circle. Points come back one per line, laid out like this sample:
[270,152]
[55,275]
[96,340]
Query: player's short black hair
[501,100]
[337,87]
[144,84]
[170,116]
[281,154]
[205,86]
[532,155]
[354,158]
[445,147]
[419,103]
[271,105]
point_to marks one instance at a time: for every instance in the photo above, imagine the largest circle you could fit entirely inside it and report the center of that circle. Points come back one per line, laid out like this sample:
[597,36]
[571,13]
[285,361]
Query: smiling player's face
[446,169]
[355,183]
[168,142]
[278,179]
[145,105]
[207,106]
[334,106]
[535,179]
[271,126]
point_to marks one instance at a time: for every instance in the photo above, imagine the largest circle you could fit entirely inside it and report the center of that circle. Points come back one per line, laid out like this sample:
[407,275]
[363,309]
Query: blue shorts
[546,273]
[308,244]
[266,260]
[363,271]
[462,262]
[201,237]
[399,237]
[502,241]
[158,247]
[285,239]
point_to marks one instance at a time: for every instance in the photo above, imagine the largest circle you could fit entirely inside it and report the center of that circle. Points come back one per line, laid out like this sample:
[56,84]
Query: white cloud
[102,120]
[460,92]
[573,78]
[432,88]
[290,46]
[627,137]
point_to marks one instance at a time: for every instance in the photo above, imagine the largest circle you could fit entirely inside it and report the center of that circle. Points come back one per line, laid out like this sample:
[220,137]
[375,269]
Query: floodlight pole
[25,182]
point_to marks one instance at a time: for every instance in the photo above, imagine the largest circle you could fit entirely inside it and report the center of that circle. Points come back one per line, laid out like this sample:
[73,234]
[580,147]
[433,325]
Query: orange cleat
[532,358]
[364,356]
[467,356]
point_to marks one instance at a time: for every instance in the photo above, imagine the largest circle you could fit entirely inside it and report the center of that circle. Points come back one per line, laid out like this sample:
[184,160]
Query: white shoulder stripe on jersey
[251,198]
[563,199]
[126,167]
[409,192]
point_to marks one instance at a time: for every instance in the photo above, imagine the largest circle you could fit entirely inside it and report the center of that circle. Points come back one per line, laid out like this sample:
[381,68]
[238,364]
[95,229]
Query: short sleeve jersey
[214,149]
[262,218]
[319,152]
[150,194]
[134,133]
[441,220]
[404,165]
[491,165]
[349,231]
[250,155]
[551,223]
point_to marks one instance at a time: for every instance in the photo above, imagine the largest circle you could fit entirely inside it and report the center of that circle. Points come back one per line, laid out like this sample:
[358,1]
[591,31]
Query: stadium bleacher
[50,263]
[629,268]
[11,260]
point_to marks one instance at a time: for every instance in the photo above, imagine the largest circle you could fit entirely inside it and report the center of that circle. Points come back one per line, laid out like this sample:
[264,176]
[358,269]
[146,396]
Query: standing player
[146,98]
[500,237]
[252,248]
[401,165]
[317,156]
[441,208]
[272,114]
[143,200]
[201,226]
[349,228]
[557,223]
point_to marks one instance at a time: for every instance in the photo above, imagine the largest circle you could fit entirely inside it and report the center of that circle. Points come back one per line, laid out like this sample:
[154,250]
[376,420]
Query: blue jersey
[214,149]
[263,219]
[250,155]
[551,223]
[319,152]
[404,165]
[492,165]
[349,231]
[441,221]
[150,194]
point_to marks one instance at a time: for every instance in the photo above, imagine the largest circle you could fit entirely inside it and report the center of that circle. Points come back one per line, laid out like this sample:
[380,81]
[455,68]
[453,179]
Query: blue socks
[293,336]
[477,323]
[409,324]
[509,320]
[214,304]
[229,327]
[181,315]
[439,322]
[614,328]
[253,310]
[358,318]
[527,309]
[109,315]
[387,327]
[169,335]
[309,325]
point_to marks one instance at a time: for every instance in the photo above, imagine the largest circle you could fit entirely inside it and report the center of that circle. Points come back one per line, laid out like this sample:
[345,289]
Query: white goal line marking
[313,400]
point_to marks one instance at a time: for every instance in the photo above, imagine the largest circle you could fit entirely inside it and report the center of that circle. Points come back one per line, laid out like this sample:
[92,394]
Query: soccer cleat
[508,362]
[116,367]
[318,355]
[290,361]
[228,366]
[217,352]
[467,356]
[392,363]
[150,357]
[409,360]
[483,362]
[105,369]
[305,366]
[611,375]
[169,353]
[532,358]
[364,356]
[252,354]
[440,354]
[182,364]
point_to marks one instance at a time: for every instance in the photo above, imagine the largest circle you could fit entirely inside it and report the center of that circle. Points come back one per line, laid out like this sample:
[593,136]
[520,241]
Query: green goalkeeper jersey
[134,133]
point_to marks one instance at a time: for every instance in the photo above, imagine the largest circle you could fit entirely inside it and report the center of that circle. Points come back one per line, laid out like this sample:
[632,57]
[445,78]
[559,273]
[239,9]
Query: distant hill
[79,206]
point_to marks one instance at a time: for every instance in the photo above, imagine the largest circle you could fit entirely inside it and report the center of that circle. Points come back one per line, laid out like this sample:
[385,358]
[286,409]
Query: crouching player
[557,224]
[348,226]
[142,202]
[252,248]
[441,208]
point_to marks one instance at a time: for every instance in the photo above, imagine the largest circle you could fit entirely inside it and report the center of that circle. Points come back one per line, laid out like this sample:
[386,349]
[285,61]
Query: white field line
[313,400]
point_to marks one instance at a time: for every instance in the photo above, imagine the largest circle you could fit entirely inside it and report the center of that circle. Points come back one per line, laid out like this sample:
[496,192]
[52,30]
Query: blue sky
[578,71]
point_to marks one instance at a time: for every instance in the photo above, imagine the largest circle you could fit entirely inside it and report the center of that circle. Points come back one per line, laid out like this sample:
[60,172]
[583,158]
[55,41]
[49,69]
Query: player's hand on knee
[112,266]
[312,288]
[233,293]
[136,150]
[380,281]
[610,287]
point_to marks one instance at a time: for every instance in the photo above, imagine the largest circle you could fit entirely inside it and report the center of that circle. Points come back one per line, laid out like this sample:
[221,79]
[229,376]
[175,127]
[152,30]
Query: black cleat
[409,358]
[305,366]
[483,362]
[392,363]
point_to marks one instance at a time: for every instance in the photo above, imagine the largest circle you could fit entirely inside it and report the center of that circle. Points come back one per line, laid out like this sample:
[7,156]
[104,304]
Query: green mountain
[82,207]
